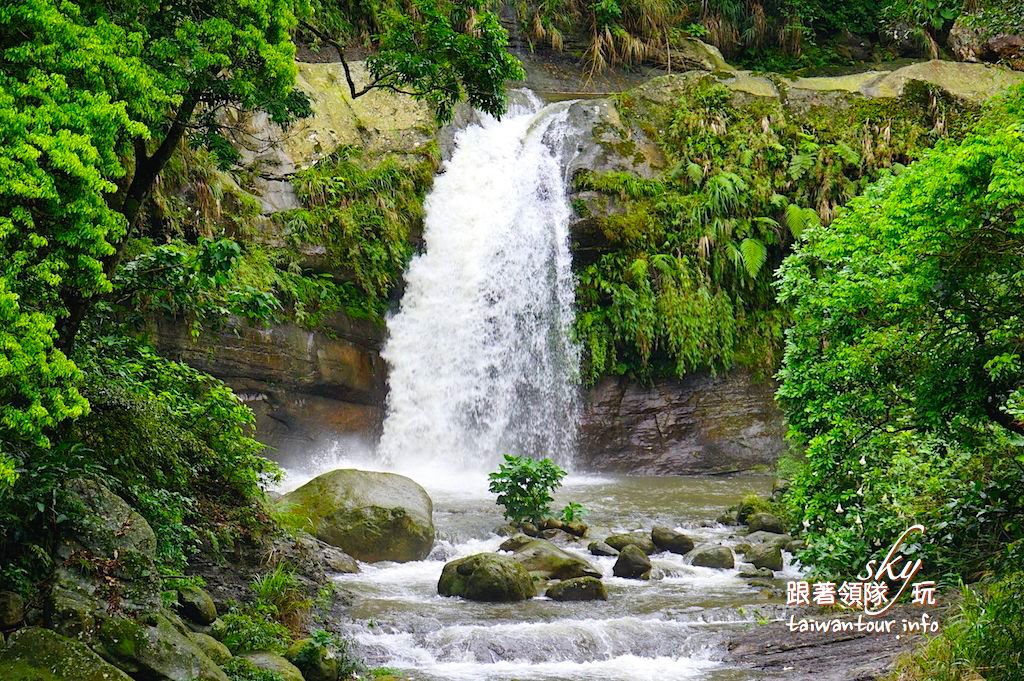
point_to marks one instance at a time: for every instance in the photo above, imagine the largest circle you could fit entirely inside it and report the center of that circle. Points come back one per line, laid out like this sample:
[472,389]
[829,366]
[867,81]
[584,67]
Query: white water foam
[481,361]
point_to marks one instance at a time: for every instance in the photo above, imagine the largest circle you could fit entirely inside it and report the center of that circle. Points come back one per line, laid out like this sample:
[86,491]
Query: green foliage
[983,639]
[249,629]
[573,512]
[902,375]
[240,669]
[524,487]
[278,590]
[365,212]
[323,644]
[686,280]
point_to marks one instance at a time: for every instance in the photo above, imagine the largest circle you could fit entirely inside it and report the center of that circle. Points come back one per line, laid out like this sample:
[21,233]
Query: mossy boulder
[158,648]
[12,609]
[765,556]
[272,662]
[719,557]
[486,577]
[515,542]
[632,563]
[36,654]
[543,559]
[317,663]
[106,553]
[195,605]
[765,522]
[371,516]
[578,589]
[772,538]
[211,647]
[641,540]
[669,540]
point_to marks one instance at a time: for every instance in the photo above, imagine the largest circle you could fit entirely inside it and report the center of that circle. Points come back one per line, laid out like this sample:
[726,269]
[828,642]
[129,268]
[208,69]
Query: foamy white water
[480,356]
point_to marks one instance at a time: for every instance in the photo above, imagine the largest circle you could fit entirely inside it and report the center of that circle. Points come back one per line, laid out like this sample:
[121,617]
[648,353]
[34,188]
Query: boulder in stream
[669,540]
[543,559]
[765,522]
[599,548]
[641,540]
[371,516]
[632,563]
[765,556]
[578,589]
[719,557]
[771,538]
[486,577]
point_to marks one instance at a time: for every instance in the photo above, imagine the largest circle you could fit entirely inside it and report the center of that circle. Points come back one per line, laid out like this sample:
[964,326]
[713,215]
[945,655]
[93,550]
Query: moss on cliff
[685,281]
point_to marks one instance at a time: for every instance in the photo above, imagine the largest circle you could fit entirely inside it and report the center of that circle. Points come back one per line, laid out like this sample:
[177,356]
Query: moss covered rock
[765,522]
[765,556]
[669,540]
[211,647]
[641,540]
[315,662]
[12,609]
[158,648]
[371,516]
[547,561]
[195,605]
[578,589]
[719,557]
[36,654]
[272,662]
[486,577]
[632,563]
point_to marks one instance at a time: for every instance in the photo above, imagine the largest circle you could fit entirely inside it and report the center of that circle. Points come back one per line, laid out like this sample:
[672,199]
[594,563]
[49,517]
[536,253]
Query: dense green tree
[904,363]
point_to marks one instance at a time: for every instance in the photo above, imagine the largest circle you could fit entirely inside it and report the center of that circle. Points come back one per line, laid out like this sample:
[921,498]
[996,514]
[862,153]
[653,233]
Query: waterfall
[480,355]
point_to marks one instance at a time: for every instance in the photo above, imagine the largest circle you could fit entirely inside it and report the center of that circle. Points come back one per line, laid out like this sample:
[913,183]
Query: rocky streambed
[677,623]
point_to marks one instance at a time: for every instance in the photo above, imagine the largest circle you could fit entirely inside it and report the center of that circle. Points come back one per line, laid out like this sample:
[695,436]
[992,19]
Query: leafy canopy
[906,348]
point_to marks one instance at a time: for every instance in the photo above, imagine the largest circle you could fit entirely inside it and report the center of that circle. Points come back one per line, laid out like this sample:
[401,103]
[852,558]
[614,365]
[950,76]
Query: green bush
[983,639]
[250,629]
[240,669]
[573,512]
[278,590]
[524,487]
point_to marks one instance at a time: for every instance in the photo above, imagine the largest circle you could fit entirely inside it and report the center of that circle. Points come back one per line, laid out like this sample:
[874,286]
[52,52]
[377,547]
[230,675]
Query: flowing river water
[482,362]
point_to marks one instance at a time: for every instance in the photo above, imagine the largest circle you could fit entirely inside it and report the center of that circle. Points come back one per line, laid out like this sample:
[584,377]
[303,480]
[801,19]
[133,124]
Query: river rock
[530,530]
[543,559]
[273,662]
[599,548]
[669,540]
[756,573]
[195,605]
[578,589]
[515,542]
[552,524]
[486,577]
[796,545]
[632,563]
[714,557]
[765,522]
[576,528]
[765,556]
[729,517]
[12,609]
[641,540]
[371,516]
[36,654]
[771,538]
[972,40]
[558,536]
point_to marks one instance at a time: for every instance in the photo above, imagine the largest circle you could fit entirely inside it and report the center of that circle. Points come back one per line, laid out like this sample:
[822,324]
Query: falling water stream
[481,363]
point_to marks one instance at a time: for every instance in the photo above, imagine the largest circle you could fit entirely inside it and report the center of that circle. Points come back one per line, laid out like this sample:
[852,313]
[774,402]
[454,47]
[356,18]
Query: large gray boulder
[543,559]
[765,522]
[371,516]
[765,556]
[669,540]
[632,563]
[578,589]
[36,654]
[486,577]
[641,540]
[157,647]
[719,557]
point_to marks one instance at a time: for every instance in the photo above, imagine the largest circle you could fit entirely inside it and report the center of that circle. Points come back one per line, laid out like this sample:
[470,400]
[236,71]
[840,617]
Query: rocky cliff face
[700,424]
[306,385]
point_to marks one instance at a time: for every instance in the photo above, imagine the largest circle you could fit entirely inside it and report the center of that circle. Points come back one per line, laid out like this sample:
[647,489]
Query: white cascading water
[480,355]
